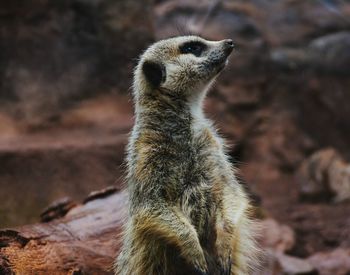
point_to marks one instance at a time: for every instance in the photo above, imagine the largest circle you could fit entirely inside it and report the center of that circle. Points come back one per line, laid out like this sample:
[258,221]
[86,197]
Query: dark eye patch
[194,47]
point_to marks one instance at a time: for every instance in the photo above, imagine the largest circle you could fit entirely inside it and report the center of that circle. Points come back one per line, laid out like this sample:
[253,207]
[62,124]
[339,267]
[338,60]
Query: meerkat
[187,214]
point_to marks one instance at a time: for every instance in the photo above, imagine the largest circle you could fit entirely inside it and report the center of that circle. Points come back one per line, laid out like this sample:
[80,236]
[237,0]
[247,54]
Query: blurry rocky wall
[66,67]
[292,58]
[65,73]
[55,53]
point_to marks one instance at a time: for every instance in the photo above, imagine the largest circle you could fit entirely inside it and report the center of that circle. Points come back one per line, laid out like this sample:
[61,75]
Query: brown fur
[188,214]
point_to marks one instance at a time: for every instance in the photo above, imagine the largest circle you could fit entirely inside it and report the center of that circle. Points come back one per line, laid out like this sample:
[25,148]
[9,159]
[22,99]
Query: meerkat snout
[228,46]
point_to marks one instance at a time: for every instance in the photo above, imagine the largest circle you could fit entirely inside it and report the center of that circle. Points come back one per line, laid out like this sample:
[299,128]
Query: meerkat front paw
[195,257]
[224,258]
[201,268]
[200,272]
[225,265]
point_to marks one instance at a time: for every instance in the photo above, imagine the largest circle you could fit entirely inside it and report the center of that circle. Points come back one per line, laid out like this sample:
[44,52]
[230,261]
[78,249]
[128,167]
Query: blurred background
[283,103]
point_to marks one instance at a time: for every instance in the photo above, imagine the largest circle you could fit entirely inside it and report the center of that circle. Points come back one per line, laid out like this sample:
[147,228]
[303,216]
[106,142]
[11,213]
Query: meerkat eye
[195,47]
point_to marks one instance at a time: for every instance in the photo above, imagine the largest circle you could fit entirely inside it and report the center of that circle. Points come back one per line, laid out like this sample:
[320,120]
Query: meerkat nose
[228,46]
[229,43]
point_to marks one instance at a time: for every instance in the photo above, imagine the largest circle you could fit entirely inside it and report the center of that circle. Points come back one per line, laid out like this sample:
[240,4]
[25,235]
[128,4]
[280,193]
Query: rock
[312,174]
[324,174]
[336,262]
[82,152]
[290,58]
[277,140]
[8,127]
[339,179]
[293,22]
[295,266]
[240,95]
[101,193]
[276,239]
[83,241]
[57,209]
[269,264]
[275,236]
[49,169]
[90,52]
[331,52]
[277,263]
[325,54]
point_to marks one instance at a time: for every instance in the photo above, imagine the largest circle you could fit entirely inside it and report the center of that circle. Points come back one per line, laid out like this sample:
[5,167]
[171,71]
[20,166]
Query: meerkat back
[187,212]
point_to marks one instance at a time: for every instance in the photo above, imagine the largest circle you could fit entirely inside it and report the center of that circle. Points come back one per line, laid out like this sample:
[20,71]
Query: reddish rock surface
[336,262]
[276,236]
[84,241]
[325,174]
[83,152]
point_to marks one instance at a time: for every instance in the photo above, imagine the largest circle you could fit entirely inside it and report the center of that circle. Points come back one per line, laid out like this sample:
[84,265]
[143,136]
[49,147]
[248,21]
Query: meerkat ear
[155,72]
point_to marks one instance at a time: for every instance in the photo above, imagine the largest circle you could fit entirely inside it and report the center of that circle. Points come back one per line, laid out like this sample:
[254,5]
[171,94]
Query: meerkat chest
[206,176]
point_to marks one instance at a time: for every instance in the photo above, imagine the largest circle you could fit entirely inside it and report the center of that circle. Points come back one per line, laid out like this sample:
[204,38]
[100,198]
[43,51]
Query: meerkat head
[183,65]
